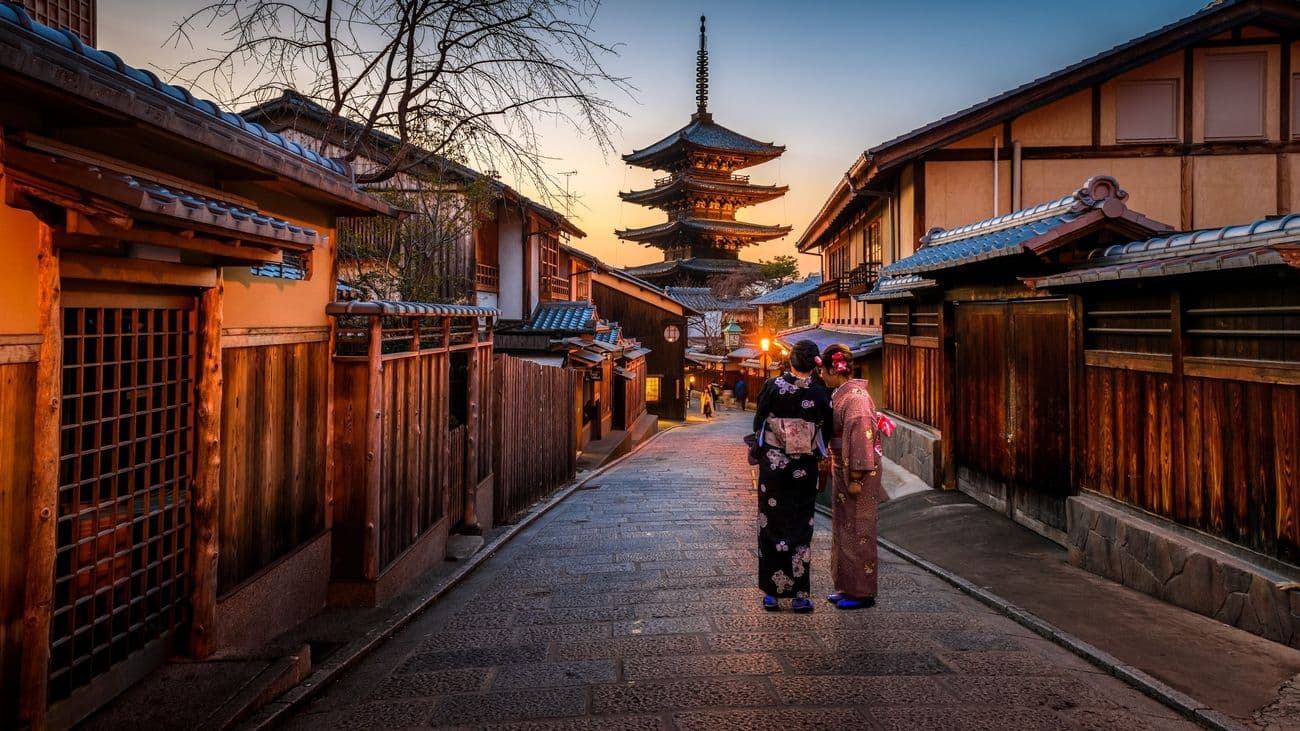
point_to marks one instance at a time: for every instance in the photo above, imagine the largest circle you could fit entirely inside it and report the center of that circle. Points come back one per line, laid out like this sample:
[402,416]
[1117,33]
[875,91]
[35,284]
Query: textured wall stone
[1181,569]
[915,449]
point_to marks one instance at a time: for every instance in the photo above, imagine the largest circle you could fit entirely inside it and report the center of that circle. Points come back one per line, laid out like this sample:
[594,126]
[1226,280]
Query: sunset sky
[825,79]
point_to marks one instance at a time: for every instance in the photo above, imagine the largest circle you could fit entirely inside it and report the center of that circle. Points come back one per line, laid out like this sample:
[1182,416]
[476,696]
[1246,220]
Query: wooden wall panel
[273,446]
[913,386]
[17,417]
[535,433]
[1239,472]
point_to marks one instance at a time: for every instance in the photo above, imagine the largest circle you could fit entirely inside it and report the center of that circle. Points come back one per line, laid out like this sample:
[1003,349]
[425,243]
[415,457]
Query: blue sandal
[803,606]
[835,597]
[771,604]
[848,602]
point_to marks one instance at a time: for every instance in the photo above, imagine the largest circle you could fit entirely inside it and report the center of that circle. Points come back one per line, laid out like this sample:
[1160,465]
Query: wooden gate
[126,462]
[1014,380]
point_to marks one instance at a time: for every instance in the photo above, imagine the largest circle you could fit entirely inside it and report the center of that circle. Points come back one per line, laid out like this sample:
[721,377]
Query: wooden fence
[408,384]
[535,434]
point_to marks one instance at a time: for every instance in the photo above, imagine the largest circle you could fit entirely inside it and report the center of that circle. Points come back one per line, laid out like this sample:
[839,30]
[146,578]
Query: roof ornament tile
[1101,191]
[702,76]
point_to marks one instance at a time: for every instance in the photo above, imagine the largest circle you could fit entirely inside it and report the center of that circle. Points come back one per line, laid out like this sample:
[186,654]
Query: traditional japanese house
[701,193]
[707,328]
[1196,118]
[1132,397]
[797,301]
[647,314]
[164,366]
[503,249]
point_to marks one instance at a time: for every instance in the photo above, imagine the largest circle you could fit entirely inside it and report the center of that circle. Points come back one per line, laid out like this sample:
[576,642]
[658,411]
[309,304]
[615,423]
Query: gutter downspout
[1017,176]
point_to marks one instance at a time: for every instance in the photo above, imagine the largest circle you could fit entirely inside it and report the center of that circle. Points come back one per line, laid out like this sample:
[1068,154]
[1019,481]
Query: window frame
[1259,56]
[1175,85]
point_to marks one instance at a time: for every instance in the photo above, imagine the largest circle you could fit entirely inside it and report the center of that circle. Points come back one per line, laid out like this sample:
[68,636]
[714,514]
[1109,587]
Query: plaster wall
[1220,196]
[958,193]
[252,301]
[907,234]
[1064,122]
[18,234]
[510,255]
[1153,183]
[981,139]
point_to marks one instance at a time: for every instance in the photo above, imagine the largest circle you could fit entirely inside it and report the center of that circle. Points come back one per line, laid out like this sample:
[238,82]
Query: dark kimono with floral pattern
[787,487]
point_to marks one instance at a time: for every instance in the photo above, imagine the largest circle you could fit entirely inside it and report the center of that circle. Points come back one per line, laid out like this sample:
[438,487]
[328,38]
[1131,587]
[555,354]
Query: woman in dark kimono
[793,413]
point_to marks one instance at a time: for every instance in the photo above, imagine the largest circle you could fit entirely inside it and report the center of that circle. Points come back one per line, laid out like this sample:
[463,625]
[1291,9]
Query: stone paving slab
[633,606]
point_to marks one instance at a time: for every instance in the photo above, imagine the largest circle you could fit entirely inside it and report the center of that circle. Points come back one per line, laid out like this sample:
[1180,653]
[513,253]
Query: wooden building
[503,250]
[701,193]
[1197,118]
[1073,367]
[164,366]
[797,301]
[647,314]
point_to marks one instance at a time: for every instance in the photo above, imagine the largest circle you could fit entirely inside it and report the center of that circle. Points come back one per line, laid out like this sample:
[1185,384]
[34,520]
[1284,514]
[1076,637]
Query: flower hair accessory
[839,363]
[818,361]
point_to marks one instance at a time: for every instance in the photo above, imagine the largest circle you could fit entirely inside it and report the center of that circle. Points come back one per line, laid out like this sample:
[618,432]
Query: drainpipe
[1016,176]
[997,182]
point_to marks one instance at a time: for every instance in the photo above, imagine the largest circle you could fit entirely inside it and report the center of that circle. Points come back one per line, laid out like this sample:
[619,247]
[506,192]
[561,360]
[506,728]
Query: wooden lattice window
[872,249]
[653,386]
[126,460]
[77,16]
[1260,323]
[294,265]
[1131,322]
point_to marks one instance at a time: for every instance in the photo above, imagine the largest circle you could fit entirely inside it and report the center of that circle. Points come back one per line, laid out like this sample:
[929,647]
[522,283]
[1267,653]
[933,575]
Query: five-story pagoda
[701,194]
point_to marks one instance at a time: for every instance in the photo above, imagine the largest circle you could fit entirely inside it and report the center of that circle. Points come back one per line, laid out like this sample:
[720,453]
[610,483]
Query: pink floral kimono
[855,447]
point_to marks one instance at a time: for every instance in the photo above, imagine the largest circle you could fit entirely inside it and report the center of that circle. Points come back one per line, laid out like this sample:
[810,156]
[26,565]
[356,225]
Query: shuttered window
[1146,110]
[1234,96]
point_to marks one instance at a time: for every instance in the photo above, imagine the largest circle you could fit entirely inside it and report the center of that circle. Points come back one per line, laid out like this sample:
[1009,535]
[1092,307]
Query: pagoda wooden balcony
[487,278]
[862,278]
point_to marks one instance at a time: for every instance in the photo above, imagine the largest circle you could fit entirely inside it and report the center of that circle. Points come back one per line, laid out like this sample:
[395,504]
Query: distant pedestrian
[706,402]
[791,416]
[715,391]
[856,493]
[742,393]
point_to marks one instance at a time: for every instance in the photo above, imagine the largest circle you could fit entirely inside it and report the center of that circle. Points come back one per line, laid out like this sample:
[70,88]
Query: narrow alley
[632,605]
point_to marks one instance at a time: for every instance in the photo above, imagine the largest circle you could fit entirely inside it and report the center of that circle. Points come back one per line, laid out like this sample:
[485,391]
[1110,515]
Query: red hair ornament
[839,363]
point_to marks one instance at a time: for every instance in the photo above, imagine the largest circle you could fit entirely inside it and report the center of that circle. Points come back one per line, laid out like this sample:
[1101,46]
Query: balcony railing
[668,179]
[559,289]
[832,286]
[862,278]
[488,277]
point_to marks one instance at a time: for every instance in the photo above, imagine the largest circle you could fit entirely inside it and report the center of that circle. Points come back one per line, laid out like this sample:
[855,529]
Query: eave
[684,185]
[749,232]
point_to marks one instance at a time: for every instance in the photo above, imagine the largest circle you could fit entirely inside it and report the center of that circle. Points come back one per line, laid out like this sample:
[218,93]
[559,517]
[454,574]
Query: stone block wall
[1182,568]
[915,448]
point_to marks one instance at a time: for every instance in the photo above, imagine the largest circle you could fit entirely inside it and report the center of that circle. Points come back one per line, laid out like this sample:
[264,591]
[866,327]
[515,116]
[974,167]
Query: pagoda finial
[702,75]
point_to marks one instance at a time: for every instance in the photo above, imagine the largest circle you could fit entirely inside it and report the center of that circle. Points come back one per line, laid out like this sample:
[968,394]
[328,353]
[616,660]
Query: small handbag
[754,450]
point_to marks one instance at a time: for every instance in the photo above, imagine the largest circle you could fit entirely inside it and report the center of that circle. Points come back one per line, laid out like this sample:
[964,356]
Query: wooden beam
[1284,94]
[1189,67]
[1096,116]
[205,503]
[43,493]
[233,250]
[1187,187]
[918,207]
[374,443]
[470,520]
[136,271]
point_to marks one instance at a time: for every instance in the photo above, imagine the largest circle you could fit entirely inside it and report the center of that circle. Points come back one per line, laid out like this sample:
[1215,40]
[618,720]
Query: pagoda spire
[702,76]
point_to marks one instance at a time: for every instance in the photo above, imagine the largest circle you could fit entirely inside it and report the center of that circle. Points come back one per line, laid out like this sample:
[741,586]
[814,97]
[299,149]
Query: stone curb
[276,712]
[1193,709]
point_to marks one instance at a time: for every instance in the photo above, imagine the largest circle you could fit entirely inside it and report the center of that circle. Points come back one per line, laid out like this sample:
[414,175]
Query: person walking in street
[706,402]
[855,482]
[741,392]
[715,391]
[791,416]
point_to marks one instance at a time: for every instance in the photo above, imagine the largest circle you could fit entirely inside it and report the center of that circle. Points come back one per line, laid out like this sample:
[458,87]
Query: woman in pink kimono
[856,490]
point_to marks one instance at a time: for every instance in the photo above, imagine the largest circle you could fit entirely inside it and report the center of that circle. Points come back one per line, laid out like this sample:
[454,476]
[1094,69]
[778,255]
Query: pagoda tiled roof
[703,133]
[707,227]
[682,185]
[693,265]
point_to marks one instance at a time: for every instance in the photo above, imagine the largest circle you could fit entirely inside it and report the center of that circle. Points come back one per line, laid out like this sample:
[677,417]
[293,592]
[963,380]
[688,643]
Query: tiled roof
[1014,233]
[14,15]
[702,299]
[789,292]
[639,351]
[893,288]
[744,352]
[563,317]
[682,184]
[406,309]
[694,264]
[707,226]
[859,344]
[1217,249]
[610,336]
[703,132]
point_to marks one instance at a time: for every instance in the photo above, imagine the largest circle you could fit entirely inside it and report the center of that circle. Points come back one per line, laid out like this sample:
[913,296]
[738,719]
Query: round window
[672,333]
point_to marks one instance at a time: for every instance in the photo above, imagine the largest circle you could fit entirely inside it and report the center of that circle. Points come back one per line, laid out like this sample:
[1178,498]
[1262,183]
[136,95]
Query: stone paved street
[632,605]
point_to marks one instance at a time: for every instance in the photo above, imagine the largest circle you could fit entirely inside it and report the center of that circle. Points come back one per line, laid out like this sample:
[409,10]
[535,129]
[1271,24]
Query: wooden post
[374,439]
[470,521]
[205,504]
[43,495]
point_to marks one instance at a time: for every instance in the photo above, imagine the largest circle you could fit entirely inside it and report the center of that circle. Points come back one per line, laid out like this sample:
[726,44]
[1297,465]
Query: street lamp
[764,345]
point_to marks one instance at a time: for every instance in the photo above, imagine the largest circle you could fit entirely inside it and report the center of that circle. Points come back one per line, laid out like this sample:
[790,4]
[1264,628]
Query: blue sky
[825,79]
